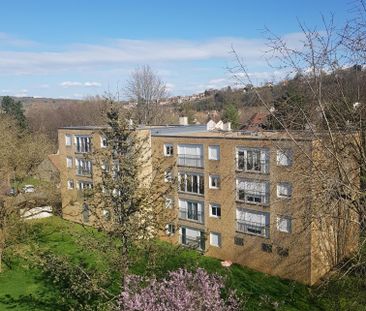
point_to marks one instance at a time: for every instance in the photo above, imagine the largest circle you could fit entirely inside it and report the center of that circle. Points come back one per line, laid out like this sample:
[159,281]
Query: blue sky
[73,49]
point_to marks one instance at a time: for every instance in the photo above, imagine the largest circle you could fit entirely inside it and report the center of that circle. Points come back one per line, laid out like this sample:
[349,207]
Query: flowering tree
[180,291]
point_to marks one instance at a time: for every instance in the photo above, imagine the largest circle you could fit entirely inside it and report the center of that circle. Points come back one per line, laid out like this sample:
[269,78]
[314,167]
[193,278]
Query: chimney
[183,120]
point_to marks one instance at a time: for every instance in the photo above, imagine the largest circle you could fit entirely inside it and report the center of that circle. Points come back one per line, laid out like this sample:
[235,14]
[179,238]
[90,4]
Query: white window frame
[263,160]
[103,142]
[284,157]
[251,195]
[70,184]
[169,203]
[69,162]
[170,229]
[215,206]
[168,176]
[213,237]
[211,178]
[200,181]
[287,225]
[168,150]
[214,148]
[68,140]
[289,190]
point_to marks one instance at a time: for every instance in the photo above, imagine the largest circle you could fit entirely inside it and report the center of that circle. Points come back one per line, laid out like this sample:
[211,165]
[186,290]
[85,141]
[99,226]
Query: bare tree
[146,89]
[324,96]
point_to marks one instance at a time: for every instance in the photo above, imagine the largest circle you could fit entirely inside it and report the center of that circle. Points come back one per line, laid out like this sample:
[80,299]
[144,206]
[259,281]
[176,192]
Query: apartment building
[239,196]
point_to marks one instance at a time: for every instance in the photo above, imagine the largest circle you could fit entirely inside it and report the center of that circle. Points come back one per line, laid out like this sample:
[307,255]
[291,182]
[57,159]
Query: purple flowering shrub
[180,291]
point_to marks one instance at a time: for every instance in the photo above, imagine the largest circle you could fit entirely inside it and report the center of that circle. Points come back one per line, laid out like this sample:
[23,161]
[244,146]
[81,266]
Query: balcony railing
[190,160]
[83,172]
[193,242]
[259,166]
[252,228]
[192,216]
[252,197]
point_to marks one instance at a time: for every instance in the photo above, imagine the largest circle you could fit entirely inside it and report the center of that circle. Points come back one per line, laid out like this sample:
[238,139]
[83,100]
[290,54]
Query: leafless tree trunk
[146,89]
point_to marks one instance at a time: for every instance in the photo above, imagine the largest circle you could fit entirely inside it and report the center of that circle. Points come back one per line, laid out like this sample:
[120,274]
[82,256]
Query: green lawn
[22,287]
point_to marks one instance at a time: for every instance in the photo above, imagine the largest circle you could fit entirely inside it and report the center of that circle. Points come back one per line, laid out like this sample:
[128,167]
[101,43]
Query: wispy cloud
[68,84]
[9,40]
[122,51]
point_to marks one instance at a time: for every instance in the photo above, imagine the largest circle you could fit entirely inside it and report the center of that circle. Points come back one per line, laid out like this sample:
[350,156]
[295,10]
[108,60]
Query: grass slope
[22,288]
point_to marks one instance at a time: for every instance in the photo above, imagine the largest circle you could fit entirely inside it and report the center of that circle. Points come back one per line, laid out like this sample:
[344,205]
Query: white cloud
[9,40]
[68,84]
[169,86]
[118,52]
[92,84]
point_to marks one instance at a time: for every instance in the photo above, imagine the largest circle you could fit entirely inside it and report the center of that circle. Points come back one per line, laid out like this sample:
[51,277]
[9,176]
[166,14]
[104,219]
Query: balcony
[252,228]
[193,242]
[83,172]
[190,160]
[260,198]
[191,216]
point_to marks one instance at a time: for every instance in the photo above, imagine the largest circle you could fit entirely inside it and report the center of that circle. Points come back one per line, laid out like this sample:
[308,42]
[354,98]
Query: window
[238,241]
[215,239]
[83,167]
[168,176]
[215,210]
[266,248]
[82,185]
[214,153]
[284,190]
[170,229]
[284,224]
[83,144]
[106,215]
[69,162]
[284,157]
[214,182]
[168,150]
[192,238]
[283,252]
[191,183]
[103,142]
[252,160]
[190,155]
[191,210]
[254,192]
[68,140]
[252,222]
[70,184]
[168,203]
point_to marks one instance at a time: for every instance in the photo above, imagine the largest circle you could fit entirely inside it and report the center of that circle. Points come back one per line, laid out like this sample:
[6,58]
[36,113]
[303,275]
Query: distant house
[256,122]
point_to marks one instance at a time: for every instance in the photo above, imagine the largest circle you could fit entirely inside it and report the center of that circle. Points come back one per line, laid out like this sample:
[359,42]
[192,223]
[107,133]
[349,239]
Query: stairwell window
[284,190]
[284,157]
[215,210]
[69,162]
[214,182]
[168,176]
[284,224]
[214,153]
[168,150]
[215,239]
[68,140]
[70,184]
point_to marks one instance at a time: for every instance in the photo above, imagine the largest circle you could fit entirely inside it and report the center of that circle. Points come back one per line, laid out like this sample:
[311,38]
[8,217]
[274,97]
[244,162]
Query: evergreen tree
[231,114]
[14,109]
